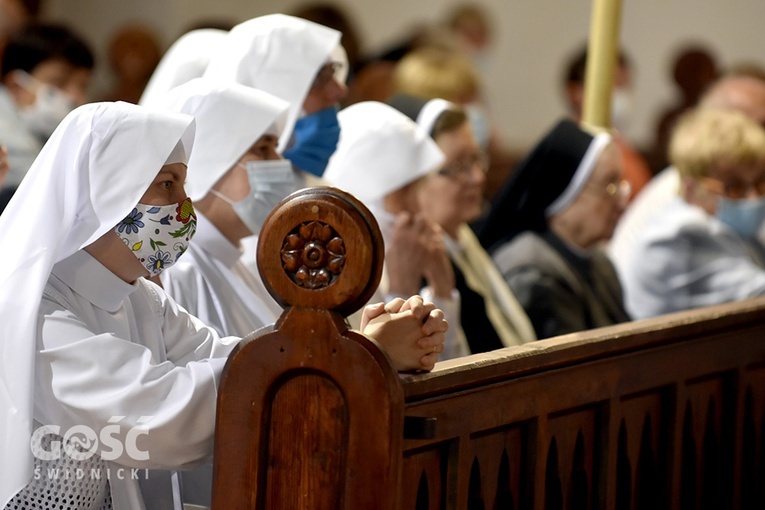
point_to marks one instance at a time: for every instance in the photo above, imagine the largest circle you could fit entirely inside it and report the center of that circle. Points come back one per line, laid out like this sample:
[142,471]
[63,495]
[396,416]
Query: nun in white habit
[233,192]
[100,349]
[234,186]
[185,60]
[89,340]
[210,281]
[300,62]
[382,158]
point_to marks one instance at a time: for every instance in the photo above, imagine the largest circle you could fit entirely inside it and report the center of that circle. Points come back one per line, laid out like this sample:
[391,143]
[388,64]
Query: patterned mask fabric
[158,235]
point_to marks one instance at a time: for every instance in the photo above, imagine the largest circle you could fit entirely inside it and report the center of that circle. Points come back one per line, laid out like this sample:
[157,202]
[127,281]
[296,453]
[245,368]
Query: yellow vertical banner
[602,54]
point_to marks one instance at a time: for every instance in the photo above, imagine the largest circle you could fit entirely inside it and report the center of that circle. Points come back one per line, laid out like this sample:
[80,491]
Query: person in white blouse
[91,345]
[703,246]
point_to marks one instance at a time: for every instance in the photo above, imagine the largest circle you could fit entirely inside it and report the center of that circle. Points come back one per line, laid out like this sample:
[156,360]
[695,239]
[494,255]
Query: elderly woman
[545,227]
[491,316]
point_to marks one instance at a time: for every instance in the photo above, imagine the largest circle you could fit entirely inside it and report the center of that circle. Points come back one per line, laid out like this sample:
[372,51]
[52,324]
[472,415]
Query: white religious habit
[120,364]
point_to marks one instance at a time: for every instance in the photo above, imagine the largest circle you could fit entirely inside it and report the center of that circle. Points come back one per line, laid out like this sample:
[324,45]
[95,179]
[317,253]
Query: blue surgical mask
[270,181]
[316,137]
[744,216]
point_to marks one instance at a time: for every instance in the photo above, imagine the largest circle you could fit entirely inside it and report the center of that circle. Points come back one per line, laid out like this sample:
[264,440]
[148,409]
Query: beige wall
[534,37]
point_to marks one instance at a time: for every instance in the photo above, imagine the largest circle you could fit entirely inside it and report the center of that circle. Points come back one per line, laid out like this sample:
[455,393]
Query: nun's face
[325,91]
[593,215]
[167,187]
[455,194]
[235,184]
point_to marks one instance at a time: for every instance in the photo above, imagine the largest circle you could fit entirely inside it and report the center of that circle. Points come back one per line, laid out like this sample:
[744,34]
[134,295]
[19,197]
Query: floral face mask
[158,235]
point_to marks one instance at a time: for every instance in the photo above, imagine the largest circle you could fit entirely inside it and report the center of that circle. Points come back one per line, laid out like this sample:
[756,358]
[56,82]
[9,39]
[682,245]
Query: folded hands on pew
[411,331]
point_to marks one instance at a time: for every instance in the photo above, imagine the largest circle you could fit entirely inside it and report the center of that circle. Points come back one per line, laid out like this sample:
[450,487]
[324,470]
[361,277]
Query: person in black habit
[547,223]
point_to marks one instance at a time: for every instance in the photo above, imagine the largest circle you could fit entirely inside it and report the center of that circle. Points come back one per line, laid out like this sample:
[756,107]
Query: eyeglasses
[734,190]
[621,189]
[326,74]
[462,169]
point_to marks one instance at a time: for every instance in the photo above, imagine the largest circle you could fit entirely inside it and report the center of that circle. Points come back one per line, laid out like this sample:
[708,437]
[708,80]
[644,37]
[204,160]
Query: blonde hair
[433,72]
[706,138]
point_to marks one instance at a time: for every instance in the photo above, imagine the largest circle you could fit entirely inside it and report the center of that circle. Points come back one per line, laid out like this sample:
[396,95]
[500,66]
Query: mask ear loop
[222,197]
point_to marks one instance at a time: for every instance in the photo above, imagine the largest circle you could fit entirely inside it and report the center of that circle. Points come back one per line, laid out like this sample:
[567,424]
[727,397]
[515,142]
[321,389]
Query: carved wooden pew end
[308,411]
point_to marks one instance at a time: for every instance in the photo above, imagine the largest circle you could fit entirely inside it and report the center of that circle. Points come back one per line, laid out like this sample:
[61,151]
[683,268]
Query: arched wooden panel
[580,483]
[423,473]
[423,494]
[650,492]
[314,479]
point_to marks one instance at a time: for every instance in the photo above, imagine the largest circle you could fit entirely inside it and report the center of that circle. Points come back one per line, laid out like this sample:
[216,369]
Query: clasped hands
[411,331]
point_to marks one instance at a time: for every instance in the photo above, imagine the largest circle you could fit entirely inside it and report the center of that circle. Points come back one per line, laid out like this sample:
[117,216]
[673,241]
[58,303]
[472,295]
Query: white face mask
[49,109]
[158,235]
[270,182]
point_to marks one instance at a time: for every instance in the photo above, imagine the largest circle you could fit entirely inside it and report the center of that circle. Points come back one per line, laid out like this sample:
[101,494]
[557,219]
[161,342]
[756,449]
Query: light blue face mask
[270,181]
[744,216]
[316,137]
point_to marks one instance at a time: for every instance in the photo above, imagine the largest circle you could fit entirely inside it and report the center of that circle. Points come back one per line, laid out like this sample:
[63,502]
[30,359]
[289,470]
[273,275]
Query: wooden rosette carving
[331,251]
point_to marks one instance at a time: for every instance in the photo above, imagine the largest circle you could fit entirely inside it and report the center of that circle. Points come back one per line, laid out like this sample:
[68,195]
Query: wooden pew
[664,413]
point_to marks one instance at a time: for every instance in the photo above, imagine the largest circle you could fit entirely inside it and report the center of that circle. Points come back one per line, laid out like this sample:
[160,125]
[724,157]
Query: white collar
[93,281]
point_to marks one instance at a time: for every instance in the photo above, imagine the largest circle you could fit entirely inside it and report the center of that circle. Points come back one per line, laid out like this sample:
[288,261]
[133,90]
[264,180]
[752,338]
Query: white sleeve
[186,337]
[165,408]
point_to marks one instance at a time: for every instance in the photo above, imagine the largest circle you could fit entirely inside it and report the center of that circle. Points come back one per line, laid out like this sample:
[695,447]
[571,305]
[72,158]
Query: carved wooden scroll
[308,411]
